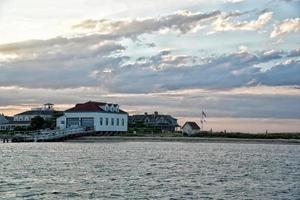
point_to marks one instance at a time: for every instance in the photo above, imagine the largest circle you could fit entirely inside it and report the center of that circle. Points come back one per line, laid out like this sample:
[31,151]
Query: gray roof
[37,112]
[153,119]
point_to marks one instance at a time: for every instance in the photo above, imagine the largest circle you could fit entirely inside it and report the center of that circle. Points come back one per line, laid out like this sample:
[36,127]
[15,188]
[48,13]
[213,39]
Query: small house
[190,128]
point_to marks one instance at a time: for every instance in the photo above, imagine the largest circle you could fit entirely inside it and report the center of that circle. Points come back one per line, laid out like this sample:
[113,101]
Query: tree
[37,122]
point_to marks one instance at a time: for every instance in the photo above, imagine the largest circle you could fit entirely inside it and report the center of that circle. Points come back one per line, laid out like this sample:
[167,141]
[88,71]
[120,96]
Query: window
[106,121]
[87,122]
[101,121]
[62,122]
[118,121]
[123,122]
[73,122]
[112,121]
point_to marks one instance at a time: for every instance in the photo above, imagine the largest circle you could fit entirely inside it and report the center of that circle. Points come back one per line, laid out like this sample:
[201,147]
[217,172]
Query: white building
[95,115]
[190,128]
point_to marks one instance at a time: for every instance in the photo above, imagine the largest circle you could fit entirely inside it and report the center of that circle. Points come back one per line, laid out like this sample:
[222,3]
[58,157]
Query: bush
[37,123]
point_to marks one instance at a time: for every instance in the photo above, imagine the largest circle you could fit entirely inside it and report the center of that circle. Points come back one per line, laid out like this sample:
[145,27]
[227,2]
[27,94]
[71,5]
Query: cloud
[182,21]
[285,73]
[285,27]
[220,72]
[69,64]
[223,23]
[98,60]
[101,65]
[105,30]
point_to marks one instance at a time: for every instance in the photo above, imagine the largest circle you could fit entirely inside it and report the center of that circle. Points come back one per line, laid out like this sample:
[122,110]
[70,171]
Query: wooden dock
[46,135]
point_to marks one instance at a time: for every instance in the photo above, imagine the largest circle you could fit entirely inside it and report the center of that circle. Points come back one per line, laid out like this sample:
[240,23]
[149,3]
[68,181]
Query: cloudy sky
[239,60]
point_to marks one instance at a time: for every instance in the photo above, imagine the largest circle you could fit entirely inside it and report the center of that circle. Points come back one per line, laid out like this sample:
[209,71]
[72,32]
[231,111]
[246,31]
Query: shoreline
[98,139]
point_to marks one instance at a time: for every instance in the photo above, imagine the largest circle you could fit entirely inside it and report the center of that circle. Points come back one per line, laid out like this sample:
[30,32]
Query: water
[149,170]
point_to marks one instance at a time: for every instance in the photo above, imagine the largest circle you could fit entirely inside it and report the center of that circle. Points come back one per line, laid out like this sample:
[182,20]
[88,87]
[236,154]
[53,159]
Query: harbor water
[149,170]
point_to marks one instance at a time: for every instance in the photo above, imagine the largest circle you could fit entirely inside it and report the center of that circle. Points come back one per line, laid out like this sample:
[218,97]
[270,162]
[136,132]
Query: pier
[46,135]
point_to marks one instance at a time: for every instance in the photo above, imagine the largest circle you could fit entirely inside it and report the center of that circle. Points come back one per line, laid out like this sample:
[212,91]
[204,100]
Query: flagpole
[202,121]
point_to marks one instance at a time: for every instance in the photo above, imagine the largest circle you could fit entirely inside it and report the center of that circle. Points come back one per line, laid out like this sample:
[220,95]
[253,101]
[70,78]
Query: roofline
[123,112]
[191,122]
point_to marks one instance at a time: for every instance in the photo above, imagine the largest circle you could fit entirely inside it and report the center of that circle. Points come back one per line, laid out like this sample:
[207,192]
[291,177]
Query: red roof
[193,125]
[89,106]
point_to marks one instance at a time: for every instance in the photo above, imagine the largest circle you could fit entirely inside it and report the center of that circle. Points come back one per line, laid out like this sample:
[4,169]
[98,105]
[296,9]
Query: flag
[203,113]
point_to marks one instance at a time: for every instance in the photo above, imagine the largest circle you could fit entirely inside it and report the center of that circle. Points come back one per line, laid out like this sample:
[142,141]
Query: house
[157,121]
[190,128]
[46,113]
[23,119]
[98,116]
[3,119]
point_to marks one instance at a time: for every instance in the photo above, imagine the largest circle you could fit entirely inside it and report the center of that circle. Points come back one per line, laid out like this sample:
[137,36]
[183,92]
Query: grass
[152,134]
[146,132]
[250,135]
[143,132]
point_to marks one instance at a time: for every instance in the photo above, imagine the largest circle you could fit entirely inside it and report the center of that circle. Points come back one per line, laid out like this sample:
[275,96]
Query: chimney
[155,113]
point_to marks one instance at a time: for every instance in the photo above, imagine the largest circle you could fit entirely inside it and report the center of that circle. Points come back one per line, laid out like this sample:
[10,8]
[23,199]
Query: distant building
[157,121]
[3,119]
[98,116]
[46,113]
[23,119]
[190,128]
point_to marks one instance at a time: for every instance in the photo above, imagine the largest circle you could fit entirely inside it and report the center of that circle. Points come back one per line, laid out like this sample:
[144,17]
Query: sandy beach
[92,139]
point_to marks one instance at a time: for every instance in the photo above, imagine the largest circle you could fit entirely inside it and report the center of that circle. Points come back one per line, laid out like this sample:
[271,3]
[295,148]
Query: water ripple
[141,170]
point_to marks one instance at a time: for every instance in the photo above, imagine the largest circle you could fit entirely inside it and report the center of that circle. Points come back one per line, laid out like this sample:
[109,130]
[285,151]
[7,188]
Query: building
[98,116]
[3,119]
[46,112]
[157,121]
[23,119]
[190,128]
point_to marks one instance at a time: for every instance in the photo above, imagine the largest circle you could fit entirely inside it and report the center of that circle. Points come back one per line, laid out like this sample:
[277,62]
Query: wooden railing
[45,135]
[51,135]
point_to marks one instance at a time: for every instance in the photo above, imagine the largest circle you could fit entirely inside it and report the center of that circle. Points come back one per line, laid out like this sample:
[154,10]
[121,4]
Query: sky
[238,60]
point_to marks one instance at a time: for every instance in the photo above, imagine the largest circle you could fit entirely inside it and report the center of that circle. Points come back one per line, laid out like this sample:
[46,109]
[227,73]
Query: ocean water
[149,170]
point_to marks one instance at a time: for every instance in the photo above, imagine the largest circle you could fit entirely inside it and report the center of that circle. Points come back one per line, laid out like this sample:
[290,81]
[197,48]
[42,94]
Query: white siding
[97,116]
[188,130]
[61,122]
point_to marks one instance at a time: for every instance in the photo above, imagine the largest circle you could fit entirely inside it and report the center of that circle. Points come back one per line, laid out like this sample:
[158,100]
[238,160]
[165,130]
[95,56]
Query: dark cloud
[161,72]
[227,71]
[66,66]
[287,73]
